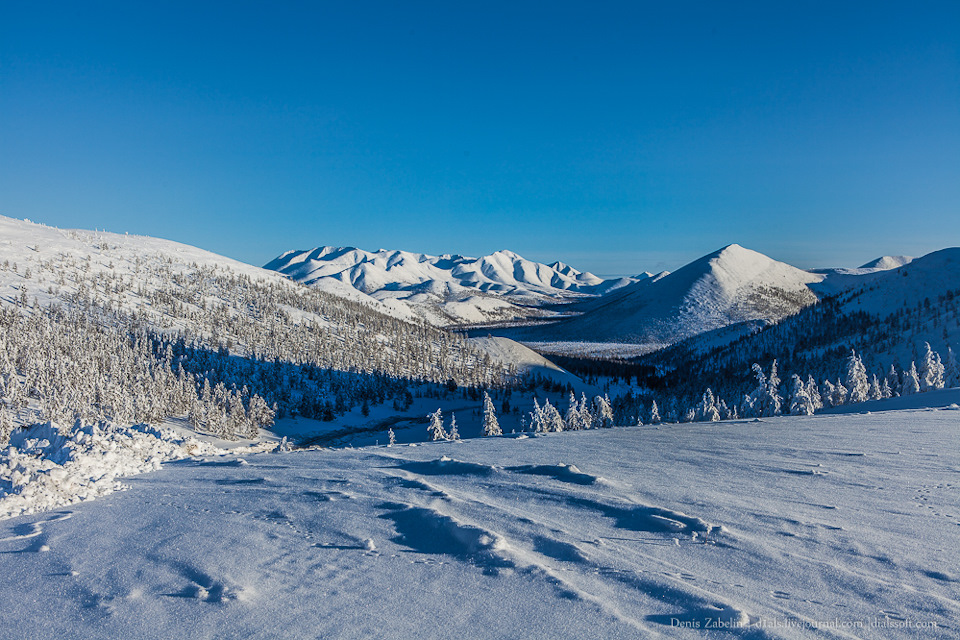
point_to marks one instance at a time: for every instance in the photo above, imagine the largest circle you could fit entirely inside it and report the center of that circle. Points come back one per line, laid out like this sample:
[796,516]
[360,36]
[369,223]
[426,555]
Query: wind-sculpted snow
[713,530]
[563,472]
[45,467]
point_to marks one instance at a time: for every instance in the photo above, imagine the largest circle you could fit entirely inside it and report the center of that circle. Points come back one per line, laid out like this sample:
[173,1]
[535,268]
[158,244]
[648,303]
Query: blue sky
[617,137]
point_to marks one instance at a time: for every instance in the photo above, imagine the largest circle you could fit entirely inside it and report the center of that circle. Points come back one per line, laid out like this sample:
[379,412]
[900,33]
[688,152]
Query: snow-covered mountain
[199,301]
[446,289]
[885,263]
[731,286]
[888,316]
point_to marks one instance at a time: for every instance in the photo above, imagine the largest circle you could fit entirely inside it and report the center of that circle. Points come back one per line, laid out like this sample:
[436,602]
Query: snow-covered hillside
[447,289]
[903,323]
[236,330]
[731,286]
[884,263]
[816,527]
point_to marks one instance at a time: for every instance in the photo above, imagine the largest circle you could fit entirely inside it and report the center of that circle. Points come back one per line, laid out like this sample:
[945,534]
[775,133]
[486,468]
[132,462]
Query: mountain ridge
[446,288]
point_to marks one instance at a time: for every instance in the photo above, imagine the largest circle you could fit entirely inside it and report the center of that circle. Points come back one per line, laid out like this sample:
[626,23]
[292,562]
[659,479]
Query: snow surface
[823,526]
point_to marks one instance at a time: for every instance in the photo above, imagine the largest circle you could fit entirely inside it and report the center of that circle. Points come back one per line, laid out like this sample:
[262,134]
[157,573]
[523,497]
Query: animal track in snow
[29,530]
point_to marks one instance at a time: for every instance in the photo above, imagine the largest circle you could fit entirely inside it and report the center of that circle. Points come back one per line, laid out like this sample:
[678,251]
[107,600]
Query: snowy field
[840,526]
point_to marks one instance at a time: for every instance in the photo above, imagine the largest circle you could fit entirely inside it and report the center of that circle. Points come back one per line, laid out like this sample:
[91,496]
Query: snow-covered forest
[107,327]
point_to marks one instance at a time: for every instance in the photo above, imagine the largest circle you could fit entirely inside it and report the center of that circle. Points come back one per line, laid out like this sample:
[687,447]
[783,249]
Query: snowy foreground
[825,526]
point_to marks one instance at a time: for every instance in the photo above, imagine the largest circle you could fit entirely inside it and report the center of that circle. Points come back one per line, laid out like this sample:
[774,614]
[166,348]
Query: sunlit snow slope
[822,526]
[730,286]
[178,289]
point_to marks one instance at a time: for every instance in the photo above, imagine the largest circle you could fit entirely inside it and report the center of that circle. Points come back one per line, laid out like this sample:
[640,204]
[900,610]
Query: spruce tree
[491,427]
[435,428]
[857,382]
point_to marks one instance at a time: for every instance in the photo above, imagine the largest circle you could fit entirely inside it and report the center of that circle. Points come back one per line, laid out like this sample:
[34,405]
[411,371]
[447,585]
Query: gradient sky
[616,136]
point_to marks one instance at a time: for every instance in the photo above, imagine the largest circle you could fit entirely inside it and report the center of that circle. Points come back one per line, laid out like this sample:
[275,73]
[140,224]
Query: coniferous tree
[551,417]
[857,383]
[435,428]
[586,416]
[893,381]
[829,394]
[773,400]
[707,411]
[654,413]
[931,370]
[491,427]
[840,394]
[813,392]
[573,417]
[602,412]
[951,373]
[885,391]
[538,422]
[800,402]
[911,380]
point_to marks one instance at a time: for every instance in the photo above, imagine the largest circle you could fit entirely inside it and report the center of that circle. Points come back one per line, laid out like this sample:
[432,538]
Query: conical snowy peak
[729,286]
[884,263]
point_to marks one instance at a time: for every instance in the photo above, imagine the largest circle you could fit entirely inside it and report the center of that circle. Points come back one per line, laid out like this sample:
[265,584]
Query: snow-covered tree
[454,431]
[491,427]
[931,370]
[840,394]
[602,412]
[654,413]
[857,383]
[893,381]
[586,416]
[828,393]
[552,419]
[800,402]
[951,373]
[813,392]
[707,411]
[765,400]
[573,418]
[773,400]
[435,428]
[911,380]
[538,421]
[885,391]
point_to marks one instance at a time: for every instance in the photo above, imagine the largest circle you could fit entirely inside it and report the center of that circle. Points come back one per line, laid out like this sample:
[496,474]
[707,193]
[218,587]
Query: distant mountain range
[725,293]
[446,289]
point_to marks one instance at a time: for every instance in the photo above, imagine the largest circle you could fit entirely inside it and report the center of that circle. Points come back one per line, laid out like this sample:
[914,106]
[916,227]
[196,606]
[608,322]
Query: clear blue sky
[616,136]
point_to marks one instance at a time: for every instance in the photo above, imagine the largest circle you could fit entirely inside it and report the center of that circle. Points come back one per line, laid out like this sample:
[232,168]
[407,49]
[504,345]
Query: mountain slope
[447,289]
[887,316]
[224,322]
[730,286]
